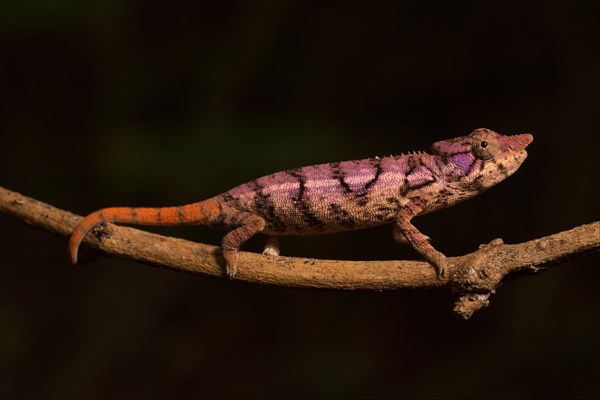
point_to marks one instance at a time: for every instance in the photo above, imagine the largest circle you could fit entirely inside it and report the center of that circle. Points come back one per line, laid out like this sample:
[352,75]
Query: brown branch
[473,277]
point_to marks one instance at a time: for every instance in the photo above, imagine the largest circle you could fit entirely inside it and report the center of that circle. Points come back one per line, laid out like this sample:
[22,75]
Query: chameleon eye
[485,149]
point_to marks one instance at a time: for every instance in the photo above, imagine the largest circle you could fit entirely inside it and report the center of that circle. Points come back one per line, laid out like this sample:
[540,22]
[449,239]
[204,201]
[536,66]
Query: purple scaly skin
[343,196]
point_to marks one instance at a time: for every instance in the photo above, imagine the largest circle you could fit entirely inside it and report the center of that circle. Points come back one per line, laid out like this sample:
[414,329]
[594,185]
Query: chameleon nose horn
[520,142]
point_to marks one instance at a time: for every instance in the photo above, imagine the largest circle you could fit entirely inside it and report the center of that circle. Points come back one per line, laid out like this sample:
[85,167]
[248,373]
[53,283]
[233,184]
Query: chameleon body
[342,196]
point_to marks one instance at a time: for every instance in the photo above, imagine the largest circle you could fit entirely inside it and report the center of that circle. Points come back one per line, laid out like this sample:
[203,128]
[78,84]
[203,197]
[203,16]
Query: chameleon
[341,196]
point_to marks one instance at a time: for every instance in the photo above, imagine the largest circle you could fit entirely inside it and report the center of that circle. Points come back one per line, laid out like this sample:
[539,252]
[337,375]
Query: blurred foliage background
[152,103]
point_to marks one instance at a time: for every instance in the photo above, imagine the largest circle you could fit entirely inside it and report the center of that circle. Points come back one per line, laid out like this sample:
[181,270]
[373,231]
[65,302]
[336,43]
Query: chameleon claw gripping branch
[341,196]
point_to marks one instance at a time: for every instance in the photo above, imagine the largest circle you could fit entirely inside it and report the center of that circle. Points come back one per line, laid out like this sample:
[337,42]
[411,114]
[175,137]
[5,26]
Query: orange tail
[201,213]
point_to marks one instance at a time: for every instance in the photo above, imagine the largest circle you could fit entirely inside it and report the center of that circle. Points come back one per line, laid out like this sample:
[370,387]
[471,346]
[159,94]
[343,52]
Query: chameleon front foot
[436,259]
[441,266]
[405,231]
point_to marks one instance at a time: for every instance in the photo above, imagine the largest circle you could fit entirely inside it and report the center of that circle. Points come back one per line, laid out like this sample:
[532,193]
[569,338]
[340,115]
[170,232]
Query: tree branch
[473,277]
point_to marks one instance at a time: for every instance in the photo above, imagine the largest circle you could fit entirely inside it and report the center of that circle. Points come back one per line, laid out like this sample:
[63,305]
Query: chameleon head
[482,159]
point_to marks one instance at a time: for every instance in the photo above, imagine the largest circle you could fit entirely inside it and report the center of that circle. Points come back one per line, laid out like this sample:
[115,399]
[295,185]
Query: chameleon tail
[207,212]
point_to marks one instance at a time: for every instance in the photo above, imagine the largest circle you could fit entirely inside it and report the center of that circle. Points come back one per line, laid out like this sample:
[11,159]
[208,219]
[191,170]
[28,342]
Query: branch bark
[473,277]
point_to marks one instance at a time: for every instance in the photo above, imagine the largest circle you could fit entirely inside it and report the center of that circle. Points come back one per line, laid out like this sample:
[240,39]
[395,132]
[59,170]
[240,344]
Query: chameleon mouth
[519,142]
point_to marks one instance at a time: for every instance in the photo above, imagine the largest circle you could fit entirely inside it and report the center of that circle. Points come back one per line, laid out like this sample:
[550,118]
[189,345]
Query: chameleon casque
[341,196]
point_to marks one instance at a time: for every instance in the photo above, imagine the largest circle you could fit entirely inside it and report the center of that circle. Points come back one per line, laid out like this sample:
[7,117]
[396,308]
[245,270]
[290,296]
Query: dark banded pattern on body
[331,197]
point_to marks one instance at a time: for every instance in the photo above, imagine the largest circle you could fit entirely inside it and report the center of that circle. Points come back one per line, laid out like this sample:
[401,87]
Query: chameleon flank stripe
[342,196]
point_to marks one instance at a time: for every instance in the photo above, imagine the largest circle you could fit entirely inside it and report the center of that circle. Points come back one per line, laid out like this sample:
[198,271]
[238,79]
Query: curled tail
[208,212]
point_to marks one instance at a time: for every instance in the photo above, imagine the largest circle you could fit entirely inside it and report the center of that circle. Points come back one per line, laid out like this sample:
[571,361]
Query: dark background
[153,103]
